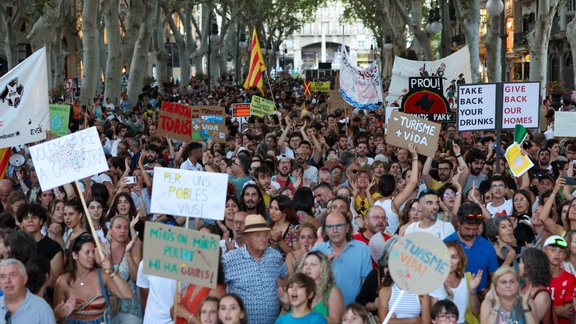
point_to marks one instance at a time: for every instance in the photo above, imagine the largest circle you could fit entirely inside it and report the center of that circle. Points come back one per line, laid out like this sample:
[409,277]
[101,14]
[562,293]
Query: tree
[493,45]
[571,36]
[113,77]
[91,56]
[12,16]
[140,54]
[411,13]
[468,12]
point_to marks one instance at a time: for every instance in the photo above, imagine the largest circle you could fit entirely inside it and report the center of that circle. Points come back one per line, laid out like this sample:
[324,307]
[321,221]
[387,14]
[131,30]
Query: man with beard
[445,171]
[376,222]
[284,168]
[479,251]
[194,154]
[544,159]
[240,172]
[322,195]
[362,155]
[403,156]
[475,160]
[429,203]
[251,200]
[310,172]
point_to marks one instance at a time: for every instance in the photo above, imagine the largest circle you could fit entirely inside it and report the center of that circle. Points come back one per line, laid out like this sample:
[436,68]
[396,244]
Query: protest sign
[335,101]
[521,103]
[181,254]
[189,193]
[261,107]
[404,129]
[476,107]
[175,121]
[208,123]
[518,162]
[69,158]
[59,118]
[321,86]
[419,262]
[425,99]
[241,110]
[564,124]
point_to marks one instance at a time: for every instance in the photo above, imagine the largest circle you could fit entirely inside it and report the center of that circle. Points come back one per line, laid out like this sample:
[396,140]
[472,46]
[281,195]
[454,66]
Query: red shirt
[562,290]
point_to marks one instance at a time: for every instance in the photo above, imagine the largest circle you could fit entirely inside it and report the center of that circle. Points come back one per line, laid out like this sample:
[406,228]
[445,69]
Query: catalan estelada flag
[308,88]
[4,161]
[257,67]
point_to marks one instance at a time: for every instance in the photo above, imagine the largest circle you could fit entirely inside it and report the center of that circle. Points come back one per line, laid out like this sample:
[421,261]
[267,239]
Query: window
[325,12]
[361,44]
[360,28]
[307,29]
[325,28]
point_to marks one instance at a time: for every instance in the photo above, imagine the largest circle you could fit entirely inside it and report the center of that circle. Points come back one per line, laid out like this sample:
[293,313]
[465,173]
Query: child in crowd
[301,292]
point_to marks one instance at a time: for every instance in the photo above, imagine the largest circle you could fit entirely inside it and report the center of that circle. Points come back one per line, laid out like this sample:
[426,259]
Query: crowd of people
[316,200]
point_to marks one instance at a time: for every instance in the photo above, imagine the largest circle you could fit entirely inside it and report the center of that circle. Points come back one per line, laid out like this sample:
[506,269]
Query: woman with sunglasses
[81,292]
[450,199]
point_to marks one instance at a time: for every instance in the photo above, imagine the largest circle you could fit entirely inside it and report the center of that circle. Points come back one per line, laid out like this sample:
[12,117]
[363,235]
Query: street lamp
[241,42]
[284,52]
[212,38]
[434,25]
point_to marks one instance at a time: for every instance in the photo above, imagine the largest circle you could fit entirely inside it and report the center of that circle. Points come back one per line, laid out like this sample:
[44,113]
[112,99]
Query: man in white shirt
[157,294]
[429,203]
[194,153]
[499,205]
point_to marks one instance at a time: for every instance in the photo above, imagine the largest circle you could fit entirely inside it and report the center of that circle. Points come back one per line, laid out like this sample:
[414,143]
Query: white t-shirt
[460,297]
[311,174]
[440,229]
[160,297]
[187,165]
[504,209]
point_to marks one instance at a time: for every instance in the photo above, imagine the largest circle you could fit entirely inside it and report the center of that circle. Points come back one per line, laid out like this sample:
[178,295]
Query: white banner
[454,69]
[189,193]
[24,110]
[69,158]
[360,88]
[564,122]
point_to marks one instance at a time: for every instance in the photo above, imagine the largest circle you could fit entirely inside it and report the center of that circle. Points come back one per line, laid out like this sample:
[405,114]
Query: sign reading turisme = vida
[404,129]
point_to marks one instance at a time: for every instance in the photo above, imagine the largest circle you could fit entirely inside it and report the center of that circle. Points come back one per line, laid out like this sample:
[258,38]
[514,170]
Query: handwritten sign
[208,123]
[521,104]
[321,86]
[175,121]
[404,129]
[419,262]
[518,162]
[564,124]
[476,107]
[69,158]
[59,118]
[189,193]
[261,107]
[181,254]
[335,101]
[241,110]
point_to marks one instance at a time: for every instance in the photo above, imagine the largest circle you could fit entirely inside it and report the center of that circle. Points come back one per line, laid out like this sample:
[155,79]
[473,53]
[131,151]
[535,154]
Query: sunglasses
[81,239]
[473,216]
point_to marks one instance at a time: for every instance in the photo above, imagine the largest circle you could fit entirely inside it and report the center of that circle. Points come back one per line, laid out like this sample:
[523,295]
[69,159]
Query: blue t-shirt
[311,318]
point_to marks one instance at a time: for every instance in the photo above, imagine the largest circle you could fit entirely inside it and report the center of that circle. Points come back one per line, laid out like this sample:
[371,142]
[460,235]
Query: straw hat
[255,223]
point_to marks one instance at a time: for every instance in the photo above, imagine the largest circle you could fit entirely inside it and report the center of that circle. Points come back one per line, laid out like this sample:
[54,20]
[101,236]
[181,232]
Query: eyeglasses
[379,217]
[473,216]
[81,239]
[300,154]
[238,223]
[337,227]
[498,186]
[507,282]
[519,200]
[446,316]
[449,194]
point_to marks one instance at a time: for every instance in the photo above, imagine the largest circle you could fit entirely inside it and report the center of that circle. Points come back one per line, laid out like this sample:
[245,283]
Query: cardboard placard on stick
[59,119]
[181,254]
[208,122]
[404,129]
[261,107]
[335,101]
[175,121]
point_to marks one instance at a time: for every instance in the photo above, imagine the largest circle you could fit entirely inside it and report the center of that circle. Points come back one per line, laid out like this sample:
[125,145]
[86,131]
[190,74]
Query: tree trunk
[414,23]
[571,36]
[493,45]
[134,19]
[446,39]
[538,41]
[159,50]
[91,54]
[138,64]
[113,75]
[468,12]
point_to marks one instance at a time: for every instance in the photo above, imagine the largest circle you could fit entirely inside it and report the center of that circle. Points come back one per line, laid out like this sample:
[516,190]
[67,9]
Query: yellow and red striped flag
[4,161]
[257,67]
[307,88]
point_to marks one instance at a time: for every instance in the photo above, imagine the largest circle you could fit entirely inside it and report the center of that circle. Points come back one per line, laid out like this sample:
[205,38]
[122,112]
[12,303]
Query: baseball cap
[546,176]
[556,240]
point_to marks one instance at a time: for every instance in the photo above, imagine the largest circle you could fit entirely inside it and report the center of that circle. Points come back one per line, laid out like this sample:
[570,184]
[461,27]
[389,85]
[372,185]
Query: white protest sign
[521,104]
[189,193]
[476,107]
[69,158]
[565,124]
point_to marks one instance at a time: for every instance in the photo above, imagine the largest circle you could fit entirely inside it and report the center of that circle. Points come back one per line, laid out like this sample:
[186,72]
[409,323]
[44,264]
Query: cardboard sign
[419,262]
[69,158]
[181,254]
[404,129]
[175,121]
[564,124]
[476,107]
[321,86]
[518,162]
[425,99]
[335,101]
[261,107]
[521,104]
[208,123]
[59,118]
[189,193]
[241,110]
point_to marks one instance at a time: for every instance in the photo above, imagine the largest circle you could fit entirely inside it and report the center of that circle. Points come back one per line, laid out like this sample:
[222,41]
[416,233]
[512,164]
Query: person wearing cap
[194,154]
[479,251]
[563,283]
[252,272]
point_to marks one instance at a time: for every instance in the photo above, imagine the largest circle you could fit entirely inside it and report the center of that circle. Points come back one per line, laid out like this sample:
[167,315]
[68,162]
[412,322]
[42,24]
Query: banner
[261,107]
[175,121]
[361,88]
[189,193]
[454,70]
[208,123]
[69,158]
[181,254]
[59,118]
[564,124]
[24,102]
[404,129]
[321,86]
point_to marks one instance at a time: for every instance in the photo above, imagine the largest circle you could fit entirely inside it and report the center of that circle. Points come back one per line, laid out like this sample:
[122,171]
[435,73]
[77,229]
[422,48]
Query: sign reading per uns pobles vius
[404,129]
[521,102]
[476,107]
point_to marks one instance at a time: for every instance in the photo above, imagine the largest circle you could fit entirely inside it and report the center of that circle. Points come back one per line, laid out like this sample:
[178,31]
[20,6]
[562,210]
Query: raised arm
[412,184]
[426,172]
[549,224]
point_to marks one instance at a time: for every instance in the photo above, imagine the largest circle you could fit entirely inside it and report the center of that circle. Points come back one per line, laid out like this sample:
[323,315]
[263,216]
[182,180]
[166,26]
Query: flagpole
[270,85]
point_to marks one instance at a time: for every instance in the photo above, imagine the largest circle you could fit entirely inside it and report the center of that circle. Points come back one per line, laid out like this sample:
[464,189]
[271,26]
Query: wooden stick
[178,283]
[92,229]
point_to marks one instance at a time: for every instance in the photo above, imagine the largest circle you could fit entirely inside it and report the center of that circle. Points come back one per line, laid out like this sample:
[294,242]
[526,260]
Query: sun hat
[255,223]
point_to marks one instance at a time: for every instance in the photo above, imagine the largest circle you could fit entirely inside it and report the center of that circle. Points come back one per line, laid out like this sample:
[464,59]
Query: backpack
[550,316]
